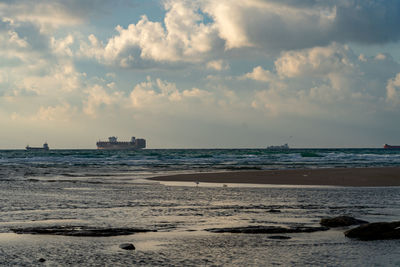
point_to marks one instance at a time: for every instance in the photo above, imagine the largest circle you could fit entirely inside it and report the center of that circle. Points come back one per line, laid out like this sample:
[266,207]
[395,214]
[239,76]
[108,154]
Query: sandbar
[363,177]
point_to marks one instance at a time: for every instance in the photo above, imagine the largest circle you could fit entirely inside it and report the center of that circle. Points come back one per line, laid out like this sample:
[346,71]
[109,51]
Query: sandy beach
[332,177]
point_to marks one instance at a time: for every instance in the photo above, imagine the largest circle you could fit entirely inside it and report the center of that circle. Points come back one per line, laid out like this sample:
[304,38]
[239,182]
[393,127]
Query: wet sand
[332,177]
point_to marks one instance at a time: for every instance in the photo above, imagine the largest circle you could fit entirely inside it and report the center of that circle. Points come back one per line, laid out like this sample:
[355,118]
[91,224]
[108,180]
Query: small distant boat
[282,147]
[45,147]
[386,146]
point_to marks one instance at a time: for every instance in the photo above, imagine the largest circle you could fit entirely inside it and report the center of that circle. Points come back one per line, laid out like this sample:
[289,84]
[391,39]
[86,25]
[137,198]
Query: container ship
[386,146]
[114,144]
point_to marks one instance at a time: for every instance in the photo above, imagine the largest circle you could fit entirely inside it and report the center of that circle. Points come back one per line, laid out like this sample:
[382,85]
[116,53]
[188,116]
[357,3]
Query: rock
[340,221]
[375,231]
[274,211]
[279,237]
[79,231]
[127,246]
[42,260]
[260,229]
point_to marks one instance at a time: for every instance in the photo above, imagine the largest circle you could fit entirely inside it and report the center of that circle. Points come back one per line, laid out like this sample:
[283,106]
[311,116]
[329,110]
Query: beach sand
[332,177]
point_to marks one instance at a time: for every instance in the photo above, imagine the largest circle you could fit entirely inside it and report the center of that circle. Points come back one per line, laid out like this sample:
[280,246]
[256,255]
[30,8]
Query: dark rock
[79,231]
[260,229]
[279,237]
[340,221]
[127,246]
[42,260]
[274,211]
[375,231]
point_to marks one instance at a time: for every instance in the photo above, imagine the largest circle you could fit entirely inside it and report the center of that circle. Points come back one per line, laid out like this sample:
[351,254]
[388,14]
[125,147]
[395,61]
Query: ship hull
[117,147]
[386,146]
[45,147]
[36,149]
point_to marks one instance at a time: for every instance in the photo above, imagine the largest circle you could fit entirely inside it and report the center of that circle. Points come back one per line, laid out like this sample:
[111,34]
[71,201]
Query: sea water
[109,189]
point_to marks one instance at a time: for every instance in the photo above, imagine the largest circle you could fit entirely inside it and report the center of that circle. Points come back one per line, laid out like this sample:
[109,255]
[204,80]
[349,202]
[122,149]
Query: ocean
[97,188]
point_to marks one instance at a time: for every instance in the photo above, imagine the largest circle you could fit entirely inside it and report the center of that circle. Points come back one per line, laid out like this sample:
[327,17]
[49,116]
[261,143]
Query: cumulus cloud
[29,72]
[58,80]
[287,25]
[100,97]
[315,61]
[338,67]
[62,46]
[335,65]
[380,56]
[47,15]
[14,39]
[259,74]
[195,31]
[162,95]
[185,37]
[149,97]
[393,90]
[326,82]
[61,113]
[218,65]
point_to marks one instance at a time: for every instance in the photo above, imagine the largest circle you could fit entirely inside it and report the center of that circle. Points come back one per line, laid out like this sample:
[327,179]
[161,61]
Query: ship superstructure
[113,143]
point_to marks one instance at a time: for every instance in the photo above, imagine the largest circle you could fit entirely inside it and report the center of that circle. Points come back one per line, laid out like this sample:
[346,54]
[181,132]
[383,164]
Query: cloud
[367,22]
[47,15]
[99,98]
[185,37]
[29,72]
[218,65]
[287,25]
[14,39]
[157,97]
[162,96]
[61,47]
[259,74]
[61,113]
[197,31]
[380,56]
[315,61]
[57,80]
[393,90]
[270,25]
[326,82]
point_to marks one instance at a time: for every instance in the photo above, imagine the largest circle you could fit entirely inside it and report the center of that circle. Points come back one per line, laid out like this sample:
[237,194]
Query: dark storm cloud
[373,21]
[288,24]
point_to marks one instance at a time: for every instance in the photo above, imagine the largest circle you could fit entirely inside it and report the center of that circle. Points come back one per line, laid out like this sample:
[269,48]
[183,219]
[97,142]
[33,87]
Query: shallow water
[108,190]
[181,213]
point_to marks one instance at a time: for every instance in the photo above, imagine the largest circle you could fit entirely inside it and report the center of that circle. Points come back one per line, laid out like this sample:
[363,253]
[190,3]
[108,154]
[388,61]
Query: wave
[310,155]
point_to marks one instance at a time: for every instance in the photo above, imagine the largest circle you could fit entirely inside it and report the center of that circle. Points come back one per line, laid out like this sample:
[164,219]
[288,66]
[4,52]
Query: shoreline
[355,177]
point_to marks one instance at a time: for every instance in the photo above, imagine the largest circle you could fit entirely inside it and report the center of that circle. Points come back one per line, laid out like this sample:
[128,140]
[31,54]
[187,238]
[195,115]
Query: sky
[200,73]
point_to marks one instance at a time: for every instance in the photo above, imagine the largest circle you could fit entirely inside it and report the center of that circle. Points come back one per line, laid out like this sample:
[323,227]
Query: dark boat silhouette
[45,147]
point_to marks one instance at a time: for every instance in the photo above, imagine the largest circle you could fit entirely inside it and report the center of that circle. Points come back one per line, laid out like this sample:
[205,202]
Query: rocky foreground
[260,229]
[375,231]
[366,231]
[341,221]
[79,231]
